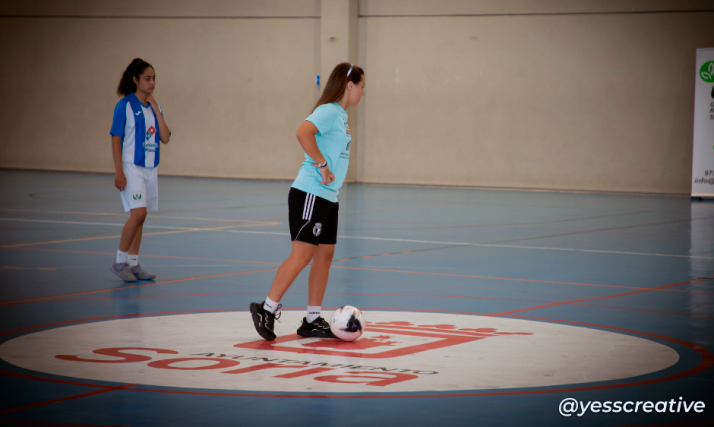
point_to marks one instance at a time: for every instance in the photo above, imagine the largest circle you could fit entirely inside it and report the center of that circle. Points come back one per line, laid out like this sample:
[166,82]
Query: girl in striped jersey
[325,137]
[137,128]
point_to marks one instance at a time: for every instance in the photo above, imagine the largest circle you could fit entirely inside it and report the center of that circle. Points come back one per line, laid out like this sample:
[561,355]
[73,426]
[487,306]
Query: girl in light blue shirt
[325,136]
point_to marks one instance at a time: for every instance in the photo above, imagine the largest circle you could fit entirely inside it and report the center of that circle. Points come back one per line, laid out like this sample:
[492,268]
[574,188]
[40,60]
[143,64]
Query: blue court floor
[484,307]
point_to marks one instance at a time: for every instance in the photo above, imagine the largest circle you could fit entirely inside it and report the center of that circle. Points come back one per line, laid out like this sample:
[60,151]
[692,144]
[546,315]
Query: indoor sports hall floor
[486,307]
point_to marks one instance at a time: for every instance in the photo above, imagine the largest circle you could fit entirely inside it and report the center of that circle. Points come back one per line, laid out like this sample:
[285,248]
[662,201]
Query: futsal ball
[347,323]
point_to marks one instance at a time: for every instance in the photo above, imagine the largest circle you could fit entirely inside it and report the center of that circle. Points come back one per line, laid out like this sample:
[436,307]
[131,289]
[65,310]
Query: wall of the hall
[519,93]
[567,101]
[233,90]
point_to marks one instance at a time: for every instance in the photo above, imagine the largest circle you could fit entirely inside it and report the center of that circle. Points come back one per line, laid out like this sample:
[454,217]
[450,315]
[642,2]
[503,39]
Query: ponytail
[126,84]
[336,84]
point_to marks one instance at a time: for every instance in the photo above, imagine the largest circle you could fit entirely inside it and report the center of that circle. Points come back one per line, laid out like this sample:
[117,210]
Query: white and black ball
[347,323]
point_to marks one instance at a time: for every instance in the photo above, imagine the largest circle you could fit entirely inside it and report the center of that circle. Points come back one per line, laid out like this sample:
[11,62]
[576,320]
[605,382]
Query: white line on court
[387,239]
[485,244]
[94,223]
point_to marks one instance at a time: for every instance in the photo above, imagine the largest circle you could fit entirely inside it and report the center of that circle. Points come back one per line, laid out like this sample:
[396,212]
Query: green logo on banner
[707,72]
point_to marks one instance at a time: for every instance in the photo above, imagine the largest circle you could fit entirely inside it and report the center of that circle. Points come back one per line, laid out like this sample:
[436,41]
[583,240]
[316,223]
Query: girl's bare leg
[299,258]
[319,273]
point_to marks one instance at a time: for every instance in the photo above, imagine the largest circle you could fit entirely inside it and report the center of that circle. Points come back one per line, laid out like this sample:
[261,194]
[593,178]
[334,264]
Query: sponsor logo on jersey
[150,132]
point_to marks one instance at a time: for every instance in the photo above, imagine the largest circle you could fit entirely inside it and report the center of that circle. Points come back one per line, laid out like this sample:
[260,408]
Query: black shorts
[312,219]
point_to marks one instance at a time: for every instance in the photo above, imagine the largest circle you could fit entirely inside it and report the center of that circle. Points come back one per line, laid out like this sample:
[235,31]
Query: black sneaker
[263,320]
[319,328]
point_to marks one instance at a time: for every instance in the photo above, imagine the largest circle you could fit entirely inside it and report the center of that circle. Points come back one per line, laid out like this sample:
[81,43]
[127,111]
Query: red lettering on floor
[261,368]
[117,352]
[166,363]
[303,373]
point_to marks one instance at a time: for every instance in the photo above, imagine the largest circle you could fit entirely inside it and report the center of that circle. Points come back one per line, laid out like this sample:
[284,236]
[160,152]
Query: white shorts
[142,188]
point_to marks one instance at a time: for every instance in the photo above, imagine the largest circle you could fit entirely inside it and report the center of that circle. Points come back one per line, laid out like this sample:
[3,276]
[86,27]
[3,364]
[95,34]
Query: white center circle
[398,352]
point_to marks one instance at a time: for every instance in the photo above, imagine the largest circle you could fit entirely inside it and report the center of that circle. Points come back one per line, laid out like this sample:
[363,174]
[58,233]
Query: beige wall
[233,90]
[522,93]
[584,102]
[501,7]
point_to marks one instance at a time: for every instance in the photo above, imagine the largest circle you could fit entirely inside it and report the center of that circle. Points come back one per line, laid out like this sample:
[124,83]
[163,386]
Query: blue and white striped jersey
[136,124]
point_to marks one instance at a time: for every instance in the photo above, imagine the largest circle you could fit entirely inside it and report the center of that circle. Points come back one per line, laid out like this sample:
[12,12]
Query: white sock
[313,312]
[270,305]
[133,260]
[121,257]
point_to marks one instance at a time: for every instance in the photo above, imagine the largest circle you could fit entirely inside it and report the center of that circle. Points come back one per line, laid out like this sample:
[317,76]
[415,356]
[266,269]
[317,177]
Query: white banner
[703,153]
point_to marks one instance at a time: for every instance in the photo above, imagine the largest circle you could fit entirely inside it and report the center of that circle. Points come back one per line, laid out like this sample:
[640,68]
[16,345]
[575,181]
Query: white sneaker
[123,271]
[142,274]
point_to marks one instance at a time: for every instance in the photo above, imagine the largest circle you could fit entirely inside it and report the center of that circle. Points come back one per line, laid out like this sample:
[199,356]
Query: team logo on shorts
[137,196]
[317,229]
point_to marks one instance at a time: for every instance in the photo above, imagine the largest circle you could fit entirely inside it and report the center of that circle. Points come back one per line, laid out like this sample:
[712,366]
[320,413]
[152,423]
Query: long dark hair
[336,84]
[135,69]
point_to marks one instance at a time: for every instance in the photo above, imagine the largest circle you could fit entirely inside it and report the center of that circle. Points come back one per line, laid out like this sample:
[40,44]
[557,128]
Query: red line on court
[353,268]
[370,269]
[263,293]
[522,280]
[687,292]
[144,255]
[483,277]
[706,363]
[595,298]
[400,253]
[29,377]
[138,296]
[62,399]
[647,311]
[120,316]
[137,286]
[357,294]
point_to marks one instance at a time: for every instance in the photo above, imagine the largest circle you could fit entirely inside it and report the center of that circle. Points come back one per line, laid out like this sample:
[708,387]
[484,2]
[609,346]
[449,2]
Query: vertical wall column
[338,43]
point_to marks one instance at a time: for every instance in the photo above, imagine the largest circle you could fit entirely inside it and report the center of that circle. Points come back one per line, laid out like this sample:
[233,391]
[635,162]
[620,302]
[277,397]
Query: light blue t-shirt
[333,139]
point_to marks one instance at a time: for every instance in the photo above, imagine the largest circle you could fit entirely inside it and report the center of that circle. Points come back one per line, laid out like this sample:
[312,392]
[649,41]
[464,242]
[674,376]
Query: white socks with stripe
[132,260]
[270,305]
[313,312]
